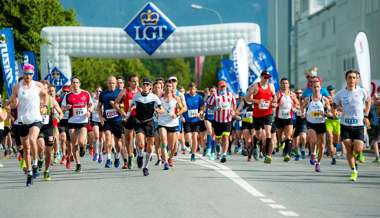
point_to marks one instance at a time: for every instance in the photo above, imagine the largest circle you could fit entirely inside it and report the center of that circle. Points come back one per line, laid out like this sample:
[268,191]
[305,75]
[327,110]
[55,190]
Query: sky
[117,13]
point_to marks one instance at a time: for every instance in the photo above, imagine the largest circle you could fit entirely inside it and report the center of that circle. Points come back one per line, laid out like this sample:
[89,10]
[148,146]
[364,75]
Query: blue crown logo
[150,28]
[149,18]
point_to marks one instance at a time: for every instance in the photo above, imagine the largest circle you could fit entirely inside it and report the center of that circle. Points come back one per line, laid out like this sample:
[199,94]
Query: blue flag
[57,78]
[7,53]
[262,60]
[228,74]
[30,58]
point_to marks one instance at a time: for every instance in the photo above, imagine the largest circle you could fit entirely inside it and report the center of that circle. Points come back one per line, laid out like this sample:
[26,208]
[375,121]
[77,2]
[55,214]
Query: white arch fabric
[66,42]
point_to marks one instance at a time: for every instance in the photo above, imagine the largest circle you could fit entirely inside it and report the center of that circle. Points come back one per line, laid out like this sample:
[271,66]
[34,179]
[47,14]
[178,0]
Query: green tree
[211,66]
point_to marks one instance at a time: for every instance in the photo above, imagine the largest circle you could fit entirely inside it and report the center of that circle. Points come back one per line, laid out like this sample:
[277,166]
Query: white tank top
[284,110]
[315,112]
[28,110]
[165,119]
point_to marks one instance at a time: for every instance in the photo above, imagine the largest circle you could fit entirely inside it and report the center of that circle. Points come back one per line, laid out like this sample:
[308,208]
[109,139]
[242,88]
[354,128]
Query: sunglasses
[173,80]
[298,93]
[266,77]
[28,74]
[98,90]
[146,84]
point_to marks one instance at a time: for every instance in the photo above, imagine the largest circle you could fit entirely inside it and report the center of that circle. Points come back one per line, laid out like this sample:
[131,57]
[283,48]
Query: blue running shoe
[166,166]
[297,157]
[95,157]
[100,159]
[35,172]
[108,163]
[146,172]
[117,163]
[192,158]
[303,154]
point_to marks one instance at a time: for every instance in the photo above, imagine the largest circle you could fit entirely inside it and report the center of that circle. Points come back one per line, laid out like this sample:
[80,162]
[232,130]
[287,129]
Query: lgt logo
[150,28]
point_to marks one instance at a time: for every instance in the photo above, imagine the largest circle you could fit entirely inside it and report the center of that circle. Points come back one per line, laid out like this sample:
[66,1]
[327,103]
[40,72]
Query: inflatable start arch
[150,34]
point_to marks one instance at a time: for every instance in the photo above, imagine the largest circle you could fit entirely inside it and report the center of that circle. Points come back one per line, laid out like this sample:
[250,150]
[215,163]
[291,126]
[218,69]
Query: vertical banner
[228,74]
[30,58]
[263,60]
[7,53]
[363,57]
[199,60]
[240,56]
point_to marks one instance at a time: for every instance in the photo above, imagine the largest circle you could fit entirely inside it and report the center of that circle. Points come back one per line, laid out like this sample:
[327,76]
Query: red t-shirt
[78,102]
[265,108]
[128,99]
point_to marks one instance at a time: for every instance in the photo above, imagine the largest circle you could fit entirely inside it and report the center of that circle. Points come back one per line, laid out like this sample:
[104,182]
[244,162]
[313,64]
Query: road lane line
[288,213]
[267,200]
[277,206]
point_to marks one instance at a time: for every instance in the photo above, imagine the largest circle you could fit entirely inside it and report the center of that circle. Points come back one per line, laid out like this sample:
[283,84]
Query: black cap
[146,80]
[265,73]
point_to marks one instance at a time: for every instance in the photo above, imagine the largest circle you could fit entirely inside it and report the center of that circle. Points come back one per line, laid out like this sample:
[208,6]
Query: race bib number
[111,113]
[79,111]
[66,115]
[225,105]
[284,114]
[210,112]
[351,121]
[264,105]
[95,117]
[249,114]
[316,114]
[192,113]
[45,119]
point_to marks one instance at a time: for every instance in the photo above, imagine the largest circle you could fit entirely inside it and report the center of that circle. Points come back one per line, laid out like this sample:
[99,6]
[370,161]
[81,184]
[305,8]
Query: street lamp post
[200,7]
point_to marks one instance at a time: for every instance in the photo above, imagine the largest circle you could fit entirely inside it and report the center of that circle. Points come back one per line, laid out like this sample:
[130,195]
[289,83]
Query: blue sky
[117,13]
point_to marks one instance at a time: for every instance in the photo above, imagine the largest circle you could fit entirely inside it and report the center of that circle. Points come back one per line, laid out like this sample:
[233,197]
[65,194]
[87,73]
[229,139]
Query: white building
[322,34]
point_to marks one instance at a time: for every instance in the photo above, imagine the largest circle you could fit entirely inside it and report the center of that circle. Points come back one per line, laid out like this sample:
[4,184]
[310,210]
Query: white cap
[173,77]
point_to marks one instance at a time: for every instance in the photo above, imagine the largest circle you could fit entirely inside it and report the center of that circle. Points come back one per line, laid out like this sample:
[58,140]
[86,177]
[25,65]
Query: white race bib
[264,105]
[95,116]
[210,112]
[111,113]
[79,116]
[192,113]
[225,105]
[79,111]
[45,119]
[284,114]
[249,114]
[66,115]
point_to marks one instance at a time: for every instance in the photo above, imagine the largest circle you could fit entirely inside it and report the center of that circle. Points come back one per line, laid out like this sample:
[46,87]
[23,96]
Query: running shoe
[95,157]
[145,172]
[377,160]
[361,157]
[68,165]
[78,168]
[1,165]
[318,167]
[35,172]
[303,154]
[63,160]
[208,153]
[100,159]
[140,161]
[192,158]
[333,161]
[125,166]
[130,162]
[297,157]
[47,176]
[223,159]
[354,176]
[268,160]
[29,180]
[82,151]
[287,158]
[166,166]
[312,159]
[108,164]
[22,165]
[281,146]
[117,162]
[40,163]
[213,156]
[170,162]
[158,163]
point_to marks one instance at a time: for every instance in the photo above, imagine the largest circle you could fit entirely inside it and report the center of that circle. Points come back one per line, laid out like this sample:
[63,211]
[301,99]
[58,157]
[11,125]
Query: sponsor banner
[228,74]
[8,64]
[199,60]
[363,58]
[30,58]
[262,60]
[150,28]
[240,58]
[57,78]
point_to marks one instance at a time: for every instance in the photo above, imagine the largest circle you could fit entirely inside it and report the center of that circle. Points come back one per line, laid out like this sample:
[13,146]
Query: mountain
[117,13]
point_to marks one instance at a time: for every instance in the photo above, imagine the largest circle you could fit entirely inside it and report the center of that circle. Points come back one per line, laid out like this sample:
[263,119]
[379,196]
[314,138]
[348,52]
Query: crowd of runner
[123,125]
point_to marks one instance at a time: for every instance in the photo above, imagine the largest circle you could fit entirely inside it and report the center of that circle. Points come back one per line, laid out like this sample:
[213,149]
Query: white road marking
[277,206]
[267,200]
[288,213]
[227,172]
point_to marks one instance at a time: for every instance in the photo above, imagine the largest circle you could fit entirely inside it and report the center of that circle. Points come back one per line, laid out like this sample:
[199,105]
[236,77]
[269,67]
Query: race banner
[228,74]
[57,78]
[363,58]
[7,53]
[240,58]
[30,58]
[262,60]
[199,60]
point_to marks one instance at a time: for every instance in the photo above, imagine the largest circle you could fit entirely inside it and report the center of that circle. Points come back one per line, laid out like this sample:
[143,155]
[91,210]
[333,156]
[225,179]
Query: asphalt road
[203,189]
